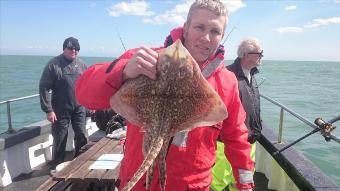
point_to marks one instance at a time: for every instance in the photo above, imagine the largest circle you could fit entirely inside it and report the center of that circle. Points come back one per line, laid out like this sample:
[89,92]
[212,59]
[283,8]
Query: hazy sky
[288,30]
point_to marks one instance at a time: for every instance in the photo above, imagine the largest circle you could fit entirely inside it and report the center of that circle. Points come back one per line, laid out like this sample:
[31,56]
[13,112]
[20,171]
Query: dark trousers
[60,133]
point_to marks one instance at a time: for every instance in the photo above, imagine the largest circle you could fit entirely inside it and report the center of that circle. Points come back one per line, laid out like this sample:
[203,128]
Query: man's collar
[239,70]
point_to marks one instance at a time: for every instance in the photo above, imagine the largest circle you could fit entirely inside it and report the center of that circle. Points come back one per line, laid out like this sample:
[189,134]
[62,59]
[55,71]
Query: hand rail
[298,116]
[9,116]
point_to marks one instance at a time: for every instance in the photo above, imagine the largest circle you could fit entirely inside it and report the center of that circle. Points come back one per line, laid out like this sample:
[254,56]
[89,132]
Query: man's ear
[185,30]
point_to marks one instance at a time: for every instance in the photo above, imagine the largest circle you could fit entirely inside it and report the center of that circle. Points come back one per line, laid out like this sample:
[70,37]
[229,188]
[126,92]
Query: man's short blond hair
[215,6]
[248,45]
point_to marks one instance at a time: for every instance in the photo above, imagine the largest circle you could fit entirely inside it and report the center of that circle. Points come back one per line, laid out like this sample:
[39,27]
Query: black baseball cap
[71,43]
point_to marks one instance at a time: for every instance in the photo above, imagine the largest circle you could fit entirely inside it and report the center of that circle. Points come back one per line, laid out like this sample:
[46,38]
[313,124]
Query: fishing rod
[121,40]
[325,127]
[234,27]
[337,118]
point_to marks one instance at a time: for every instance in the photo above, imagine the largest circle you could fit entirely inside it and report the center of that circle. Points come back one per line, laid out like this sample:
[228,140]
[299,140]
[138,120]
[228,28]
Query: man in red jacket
[191,154]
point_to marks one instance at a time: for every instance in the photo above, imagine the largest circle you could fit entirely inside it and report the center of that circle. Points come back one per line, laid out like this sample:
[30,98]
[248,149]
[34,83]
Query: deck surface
[32,181]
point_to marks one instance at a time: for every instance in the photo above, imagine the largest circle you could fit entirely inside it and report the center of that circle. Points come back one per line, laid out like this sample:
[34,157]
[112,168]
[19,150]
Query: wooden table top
[78,168]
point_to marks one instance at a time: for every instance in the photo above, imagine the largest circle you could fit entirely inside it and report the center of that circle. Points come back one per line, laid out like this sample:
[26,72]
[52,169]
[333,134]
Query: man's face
[70,53]
[254,58]
[203,34]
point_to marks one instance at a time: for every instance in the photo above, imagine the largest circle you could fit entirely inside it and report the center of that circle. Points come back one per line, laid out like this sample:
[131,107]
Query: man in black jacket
[244,67]
[61,108]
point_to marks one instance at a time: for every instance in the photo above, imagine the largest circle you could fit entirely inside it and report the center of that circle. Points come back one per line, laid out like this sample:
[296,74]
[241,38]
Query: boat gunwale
[301,170]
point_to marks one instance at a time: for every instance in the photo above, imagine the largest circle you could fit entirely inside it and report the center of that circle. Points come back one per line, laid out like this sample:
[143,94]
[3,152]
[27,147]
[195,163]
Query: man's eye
[199,27]
[215,32]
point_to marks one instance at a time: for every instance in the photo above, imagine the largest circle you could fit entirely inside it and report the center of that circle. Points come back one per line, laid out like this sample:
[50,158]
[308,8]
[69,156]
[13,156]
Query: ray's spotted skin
[179,99]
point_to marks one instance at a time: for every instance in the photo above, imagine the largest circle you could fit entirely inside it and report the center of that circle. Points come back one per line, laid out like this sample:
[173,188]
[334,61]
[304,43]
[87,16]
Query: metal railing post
[279,138]
[9,115]
[9,118]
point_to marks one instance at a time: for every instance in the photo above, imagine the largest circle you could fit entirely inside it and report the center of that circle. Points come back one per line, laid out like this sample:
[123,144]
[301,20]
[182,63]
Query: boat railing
[8,105]
[283,109]
[298,116]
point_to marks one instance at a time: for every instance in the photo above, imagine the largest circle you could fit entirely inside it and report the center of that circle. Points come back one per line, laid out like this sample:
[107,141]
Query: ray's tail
[156,146]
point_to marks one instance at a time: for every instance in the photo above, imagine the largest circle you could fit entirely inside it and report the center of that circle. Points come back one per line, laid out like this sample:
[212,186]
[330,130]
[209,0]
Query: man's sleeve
[234,134]
[101,81]
[45,85]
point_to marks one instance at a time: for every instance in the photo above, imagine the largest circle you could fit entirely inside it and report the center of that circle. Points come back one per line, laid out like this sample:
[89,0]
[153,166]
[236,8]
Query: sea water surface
[311,89]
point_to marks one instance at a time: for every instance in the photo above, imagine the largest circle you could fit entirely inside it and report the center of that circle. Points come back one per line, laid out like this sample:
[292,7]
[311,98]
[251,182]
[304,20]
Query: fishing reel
[325,128]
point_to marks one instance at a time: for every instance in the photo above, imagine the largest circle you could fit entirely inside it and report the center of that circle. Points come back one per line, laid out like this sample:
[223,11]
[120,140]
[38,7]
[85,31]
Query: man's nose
[206,37]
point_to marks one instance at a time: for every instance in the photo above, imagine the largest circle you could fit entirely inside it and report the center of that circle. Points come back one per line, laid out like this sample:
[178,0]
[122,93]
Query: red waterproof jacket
[191,155]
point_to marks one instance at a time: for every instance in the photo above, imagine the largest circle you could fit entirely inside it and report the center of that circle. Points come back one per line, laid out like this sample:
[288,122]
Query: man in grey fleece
[61,108]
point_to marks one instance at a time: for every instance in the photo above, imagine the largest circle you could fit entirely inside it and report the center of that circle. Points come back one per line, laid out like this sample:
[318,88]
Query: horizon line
[118,56]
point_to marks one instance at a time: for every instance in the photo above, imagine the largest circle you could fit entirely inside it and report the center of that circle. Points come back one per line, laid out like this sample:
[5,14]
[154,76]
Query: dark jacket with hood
[250,97]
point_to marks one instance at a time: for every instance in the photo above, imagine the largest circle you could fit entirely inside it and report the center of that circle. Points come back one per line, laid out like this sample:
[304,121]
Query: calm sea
[311,89]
